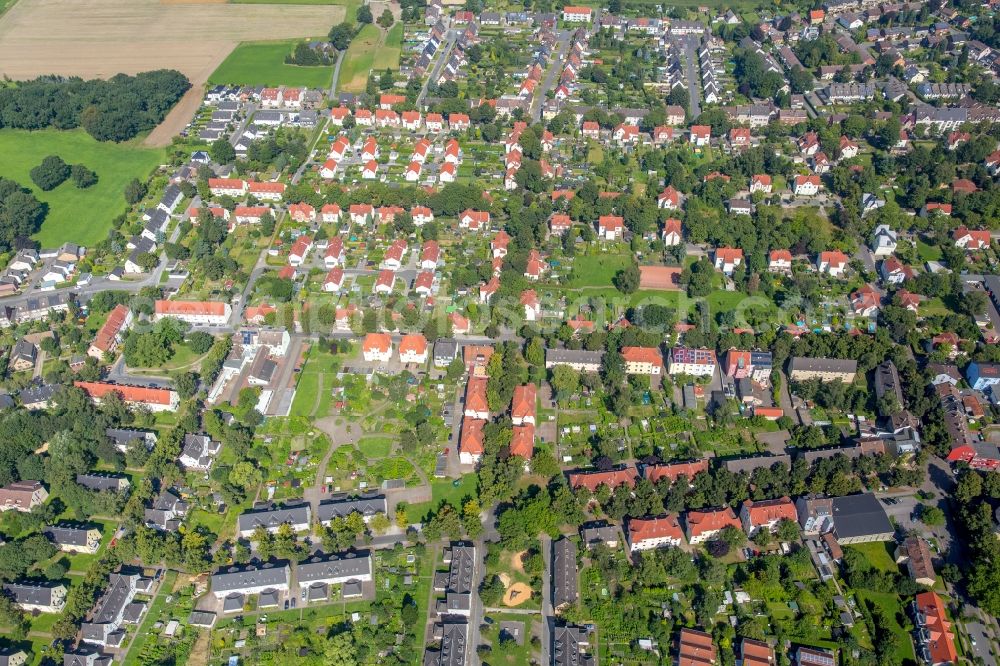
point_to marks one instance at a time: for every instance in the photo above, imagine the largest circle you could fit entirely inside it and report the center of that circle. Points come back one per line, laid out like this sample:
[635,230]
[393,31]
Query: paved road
[689,44]
[119,374]
[548,615]
[234,138]
[552,76]
[336,76]
[440,59]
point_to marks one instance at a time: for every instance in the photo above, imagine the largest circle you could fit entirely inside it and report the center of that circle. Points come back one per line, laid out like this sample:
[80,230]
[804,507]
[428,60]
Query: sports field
[81,216]
[368,53]
[263,63]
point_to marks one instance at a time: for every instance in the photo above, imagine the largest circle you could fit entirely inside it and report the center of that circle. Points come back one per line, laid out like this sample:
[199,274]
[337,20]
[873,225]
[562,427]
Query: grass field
[263,63]
[367,53]
[444,490]
[597,270]
[877,554]
[388,54]
[359,60]
[375,447]
[81,216]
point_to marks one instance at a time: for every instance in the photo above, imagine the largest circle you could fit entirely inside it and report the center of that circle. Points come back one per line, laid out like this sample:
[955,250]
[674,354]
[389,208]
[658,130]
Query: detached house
[727,259]
[377,347]
[610,227]
[833,263]
[806,186]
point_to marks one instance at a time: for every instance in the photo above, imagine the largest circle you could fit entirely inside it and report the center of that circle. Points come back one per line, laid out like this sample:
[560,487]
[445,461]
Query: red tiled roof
[377,342]
[143,394]
[640,529]
[700,522]
[594,480]
[523,404]
[471,440]
[522,443]
[642,355]
[672,471]
[112,326]
[179,308]
[475,395]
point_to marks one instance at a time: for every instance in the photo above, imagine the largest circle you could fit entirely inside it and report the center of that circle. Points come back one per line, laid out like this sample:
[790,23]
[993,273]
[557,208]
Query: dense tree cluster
[21,214]
[116,109]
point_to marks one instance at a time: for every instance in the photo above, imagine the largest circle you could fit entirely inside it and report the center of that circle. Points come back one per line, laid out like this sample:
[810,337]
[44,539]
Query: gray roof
[460,572]
[35,394]
[822,364]
[340,566]
[251,576]
[125,436]
[751,463]
[568,645]
[338,508]
[573,356]
[564,577]
[273,517]
[67,534]
[102,481]
[445,348]
[601,534]
[36,593]
[860,515]
[454,641]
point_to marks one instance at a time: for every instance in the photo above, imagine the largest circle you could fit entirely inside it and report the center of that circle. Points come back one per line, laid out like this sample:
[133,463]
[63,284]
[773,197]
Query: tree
[386,19]
[340,36]
[788,530]
[82,176]
[931,516]
[50,173]
[200,342]
[134,191]
[364,14]
[627,279]
[222,152]
[186,384]
[340,651]
[762,538]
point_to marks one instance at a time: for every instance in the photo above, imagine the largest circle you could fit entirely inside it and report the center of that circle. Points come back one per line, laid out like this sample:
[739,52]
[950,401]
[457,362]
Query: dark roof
[860,515]
[564,577]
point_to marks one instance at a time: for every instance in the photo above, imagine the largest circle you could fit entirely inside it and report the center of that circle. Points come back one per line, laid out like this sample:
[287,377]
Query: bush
[51,173]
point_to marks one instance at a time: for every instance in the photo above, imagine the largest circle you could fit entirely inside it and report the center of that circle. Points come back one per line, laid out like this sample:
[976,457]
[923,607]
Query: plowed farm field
[100,38]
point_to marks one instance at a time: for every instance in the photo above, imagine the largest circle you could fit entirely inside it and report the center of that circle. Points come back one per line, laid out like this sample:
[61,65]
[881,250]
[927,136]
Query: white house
[377,347]
[884,241]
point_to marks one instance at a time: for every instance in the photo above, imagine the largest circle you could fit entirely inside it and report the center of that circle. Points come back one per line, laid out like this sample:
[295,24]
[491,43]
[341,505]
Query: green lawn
[444,490]
[81,216]
[928,252]
[878,555]
[359,59]
[263,63]
[597,270]
[375,447]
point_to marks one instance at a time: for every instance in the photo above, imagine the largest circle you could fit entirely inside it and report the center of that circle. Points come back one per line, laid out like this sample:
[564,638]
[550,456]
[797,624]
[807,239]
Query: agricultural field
[146,34]
[263,63]
[81,216]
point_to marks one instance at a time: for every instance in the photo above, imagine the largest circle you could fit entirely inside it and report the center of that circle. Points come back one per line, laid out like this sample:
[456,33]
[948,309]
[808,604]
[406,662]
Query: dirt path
[177,119]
